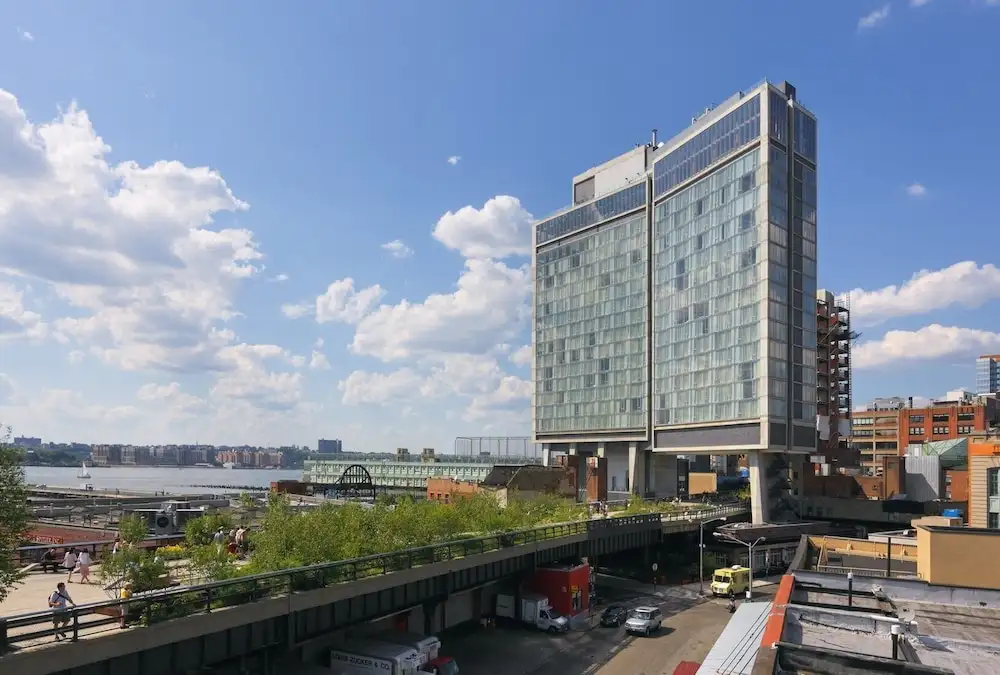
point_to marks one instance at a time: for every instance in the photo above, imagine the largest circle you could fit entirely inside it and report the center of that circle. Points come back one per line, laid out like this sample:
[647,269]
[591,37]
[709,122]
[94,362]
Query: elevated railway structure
[300,611]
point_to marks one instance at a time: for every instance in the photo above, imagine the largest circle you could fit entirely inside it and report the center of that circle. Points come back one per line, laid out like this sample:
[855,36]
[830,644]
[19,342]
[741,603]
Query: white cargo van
[427,645]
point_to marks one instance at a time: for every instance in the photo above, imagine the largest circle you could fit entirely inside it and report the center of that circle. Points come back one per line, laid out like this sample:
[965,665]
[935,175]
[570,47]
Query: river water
[156,479]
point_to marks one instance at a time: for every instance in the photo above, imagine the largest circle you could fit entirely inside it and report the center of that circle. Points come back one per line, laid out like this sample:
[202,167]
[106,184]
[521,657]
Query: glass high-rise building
[988,374]
[675,300]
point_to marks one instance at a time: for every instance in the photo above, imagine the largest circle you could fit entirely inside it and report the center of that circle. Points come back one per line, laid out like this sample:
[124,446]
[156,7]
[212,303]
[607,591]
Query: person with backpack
[60,617]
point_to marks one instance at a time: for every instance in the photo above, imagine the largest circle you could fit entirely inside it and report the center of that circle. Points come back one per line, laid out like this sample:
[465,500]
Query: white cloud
[511,396]
[319,343]
[341,302]
[172,398]
[454,159]
[361,387]
[489,306]
[398,249]
[26,35]
[964,283]
[501,228]
[478,380]
[919,3]
[297,311]
[319,361]
[874,18]
[521,356]
[249,380]
[17,322]
[916,190]
[934,342]
[132,249]
[278,278]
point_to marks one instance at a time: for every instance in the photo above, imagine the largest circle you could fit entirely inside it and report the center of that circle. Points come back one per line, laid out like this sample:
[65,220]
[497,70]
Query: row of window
[605,208]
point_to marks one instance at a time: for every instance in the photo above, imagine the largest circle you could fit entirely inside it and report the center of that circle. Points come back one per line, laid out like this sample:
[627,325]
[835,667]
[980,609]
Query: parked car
[644,620]
[615,615]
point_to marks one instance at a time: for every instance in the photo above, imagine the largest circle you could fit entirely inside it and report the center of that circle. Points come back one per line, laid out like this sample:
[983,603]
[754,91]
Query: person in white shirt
[60,617]
[69,561]
[83,567]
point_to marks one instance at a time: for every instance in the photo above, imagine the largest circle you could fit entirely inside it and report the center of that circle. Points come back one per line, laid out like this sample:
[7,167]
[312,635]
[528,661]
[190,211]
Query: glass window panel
[594,329]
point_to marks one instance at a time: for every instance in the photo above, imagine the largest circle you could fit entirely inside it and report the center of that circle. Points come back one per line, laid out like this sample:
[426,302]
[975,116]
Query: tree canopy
[13,512]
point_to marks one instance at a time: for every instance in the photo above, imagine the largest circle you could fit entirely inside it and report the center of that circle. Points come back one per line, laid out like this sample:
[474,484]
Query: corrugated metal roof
[735,651]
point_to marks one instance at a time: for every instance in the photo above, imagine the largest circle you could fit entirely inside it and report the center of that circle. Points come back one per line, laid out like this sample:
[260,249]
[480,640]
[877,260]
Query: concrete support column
[663,481]
[636,469]
[546,454]
[758,462]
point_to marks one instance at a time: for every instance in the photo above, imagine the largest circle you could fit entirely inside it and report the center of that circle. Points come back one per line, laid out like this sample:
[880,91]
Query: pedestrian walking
[69,563]
[83,567]
[60,617]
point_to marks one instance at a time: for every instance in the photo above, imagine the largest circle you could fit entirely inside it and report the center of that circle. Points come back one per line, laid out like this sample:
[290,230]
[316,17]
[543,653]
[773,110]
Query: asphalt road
[691,626]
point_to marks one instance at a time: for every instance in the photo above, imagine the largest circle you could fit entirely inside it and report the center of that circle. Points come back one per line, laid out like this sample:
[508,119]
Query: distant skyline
[285,224]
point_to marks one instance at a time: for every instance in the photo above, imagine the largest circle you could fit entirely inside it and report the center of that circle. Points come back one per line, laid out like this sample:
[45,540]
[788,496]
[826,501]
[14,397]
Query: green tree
[13,512]
[132,563]
[199,531]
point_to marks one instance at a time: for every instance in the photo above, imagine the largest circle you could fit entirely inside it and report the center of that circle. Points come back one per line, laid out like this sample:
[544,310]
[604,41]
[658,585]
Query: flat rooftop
[831,626]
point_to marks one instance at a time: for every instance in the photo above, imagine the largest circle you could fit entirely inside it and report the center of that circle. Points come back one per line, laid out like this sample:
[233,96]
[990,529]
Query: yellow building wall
[957,556]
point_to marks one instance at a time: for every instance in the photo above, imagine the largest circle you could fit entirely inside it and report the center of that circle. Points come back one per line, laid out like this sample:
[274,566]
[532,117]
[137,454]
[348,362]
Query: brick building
[888,426]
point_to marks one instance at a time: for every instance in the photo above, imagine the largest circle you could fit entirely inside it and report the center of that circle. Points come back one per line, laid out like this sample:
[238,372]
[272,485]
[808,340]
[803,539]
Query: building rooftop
[956,630]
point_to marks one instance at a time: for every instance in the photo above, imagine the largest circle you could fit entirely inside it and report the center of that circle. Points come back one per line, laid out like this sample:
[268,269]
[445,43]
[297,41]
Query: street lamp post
[729,537]
[701,552]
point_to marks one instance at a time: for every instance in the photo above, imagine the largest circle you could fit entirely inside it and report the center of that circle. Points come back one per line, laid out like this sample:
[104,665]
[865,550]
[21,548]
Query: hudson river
[155,479]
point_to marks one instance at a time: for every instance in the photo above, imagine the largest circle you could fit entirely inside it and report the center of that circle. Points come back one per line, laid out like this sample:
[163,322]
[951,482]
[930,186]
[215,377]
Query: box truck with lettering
[369,657]
[535,611]
[428,645]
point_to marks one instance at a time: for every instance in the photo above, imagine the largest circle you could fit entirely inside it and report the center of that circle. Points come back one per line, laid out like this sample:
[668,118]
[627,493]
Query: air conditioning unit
[158,521]
[182,516]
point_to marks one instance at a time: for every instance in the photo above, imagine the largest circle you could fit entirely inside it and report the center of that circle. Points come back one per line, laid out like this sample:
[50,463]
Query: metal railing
[868,572]
[152,607]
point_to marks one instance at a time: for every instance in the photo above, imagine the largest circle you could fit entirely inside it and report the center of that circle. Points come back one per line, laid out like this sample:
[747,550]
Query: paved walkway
[33,596]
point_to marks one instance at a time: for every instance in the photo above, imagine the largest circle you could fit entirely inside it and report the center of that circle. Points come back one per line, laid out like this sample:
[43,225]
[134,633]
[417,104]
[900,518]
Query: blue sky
[264,300]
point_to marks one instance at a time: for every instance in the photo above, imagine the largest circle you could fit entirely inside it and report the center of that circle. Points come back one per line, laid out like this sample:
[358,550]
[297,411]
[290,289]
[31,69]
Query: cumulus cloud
[134,250]
[476,379]
[521,356]
[964,283]
[341,302]
[874,18]
[397,249]
[16,321]
[916,190]
[26,35]
[934,342]
[488,307]
[319,361]
[454,159]
[501,228]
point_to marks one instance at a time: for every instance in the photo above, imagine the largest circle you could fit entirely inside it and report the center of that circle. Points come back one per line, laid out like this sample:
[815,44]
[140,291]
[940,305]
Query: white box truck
[535,611]
[369,657]
[428,645]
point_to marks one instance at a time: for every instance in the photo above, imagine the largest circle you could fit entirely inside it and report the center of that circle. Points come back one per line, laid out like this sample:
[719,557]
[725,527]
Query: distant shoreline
[158,466]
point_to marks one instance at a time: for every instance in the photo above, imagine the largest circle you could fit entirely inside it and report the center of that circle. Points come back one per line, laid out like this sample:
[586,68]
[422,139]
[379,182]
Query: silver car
[644,620]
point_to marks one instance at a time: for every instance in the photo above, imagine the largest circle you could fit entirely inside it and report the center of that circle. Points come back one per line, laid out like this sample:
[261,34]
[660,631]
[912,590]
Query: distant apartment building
[27,442]
[250,459]
[329,446]
[106,455]
[988,374]
[889,425]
